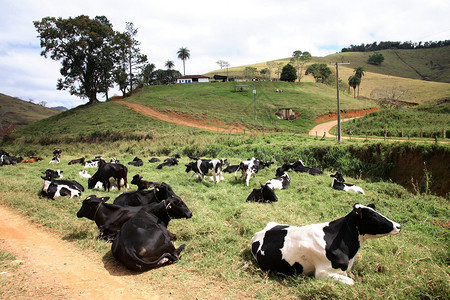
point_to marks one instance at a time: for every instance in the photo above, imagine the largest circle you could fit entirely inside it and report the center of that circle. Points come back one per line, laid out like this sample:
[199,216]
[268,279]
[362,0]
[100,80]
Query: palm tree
[169,64]
[183,54]
[354,81]
[359,72]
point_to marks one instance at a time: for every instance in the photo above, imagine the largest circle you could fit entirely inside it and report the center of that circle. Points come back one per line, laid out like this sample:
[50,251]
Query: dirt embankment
[346,114]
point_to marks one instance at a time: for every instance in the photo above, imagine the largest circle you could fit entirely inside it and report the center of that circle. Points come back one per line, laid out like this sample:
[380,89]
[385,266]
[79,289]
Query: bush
[376,59]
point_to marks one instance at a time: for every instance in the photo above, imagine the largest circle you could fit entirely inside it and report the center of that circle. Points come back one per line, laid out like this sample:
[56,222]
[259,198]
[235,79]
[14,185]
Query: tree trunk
[358,91]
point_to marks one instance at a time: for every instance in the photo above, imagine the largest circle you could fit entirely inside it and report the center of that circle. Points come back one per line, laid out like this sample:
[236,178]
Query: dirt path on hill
[184,119]
[325,128]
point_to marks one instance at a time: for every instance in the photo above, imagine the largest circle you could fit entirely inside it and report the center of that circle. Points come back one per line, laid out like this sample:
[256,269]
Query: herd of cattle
[136,222]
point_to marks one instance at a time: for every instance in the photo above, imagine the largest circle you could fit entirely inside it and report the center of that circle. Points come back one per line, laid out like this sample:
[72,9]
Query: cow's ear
[371,206]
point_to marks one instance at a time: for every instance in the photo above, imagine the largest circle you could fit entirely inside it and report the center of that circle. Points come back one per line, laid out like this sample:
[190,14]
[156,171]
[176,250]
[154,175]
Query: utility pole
[338,108]
[254,99]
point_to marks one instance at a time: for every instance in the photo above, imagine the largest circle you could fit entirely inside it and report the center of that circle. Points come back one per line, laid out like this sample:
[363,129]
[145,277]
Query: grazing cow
[5,159]
[57,152]
[109,218]
[205,167]
[141,197]
[279,91]
[168,162]
[141,184]
[339,183]
[32,159]
[107,174]
[55,160]
[84,173]
[153,160]
[52,174]
[56,188]
[77,161]
[300,167]
[281,181]
[326,249]
[144,242]
[251,167]
[265,194]
[137,162]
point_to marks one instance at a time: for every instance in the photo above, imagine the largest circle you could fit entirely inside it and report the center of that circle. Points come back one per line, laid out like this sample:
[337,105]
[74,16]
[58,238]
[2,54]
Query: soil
[346,114]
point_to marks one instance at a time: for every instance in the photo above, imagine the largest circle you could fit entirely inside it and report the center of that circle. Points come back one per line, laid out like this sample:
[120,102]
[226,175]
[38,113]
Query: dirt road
[320,129]
[55,269]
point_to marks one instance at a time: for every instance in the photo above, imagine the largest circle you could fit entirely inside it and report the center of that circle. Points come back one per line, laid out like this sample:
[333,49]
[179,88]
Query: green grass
[410,265]
[428,120]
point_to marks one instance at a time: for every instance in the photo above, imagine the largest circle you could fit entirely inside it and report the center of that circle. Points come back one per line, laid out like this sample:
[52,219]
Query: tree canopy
[320,72]
[183,54]
[288,73]
[376,59]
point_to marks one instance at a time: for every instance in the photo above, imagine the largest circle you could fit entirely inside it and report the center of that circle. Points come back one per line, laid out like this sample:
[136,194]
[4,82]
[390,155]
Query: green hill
[19,112]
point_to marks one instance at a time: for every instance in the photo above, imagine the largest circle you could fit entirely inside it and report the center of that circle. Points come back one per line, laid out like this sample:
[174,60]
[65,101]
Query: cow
[114,161]
[137,162]
[250,167]
[168,162]
[141,184]
[109,218]
[77,161]
[57,153]
[230,169]
[52,174]
[84,173]
[56,188]
[55,160]
[109,173]
[144,243]
[326,250]
[153,160]
[300,167]
[281,181]
[5,159]
[265,194]
[95,163]
[32,159]
[339,183]
[208,168]
[160,192]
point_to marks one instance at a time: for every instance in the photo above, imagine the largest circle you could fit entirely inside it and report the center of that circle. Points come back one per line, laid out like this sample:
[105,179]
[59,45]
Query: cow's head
[136,179]
[190,166]
[176,208]
[372,224]
[91,183]
[90,206]
[338,177]
[51,174]
[279,172]
[268,193]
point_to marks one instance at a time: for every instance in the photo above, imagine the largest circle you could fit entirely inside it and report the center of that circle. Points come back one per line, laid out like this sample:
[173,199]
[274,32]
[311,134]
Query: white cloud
[240,32]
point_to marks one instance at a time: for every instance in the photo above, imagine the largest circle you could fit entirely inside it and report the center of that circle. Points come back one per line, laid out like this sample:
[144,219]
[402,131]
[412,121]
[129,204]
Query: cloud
[240,32]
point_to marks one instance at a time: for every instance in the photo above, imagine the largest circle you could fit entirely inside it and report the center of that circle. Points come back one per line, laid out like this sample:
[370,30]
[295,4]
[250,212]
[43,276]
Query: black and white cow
[84,174]
[265,194]
[57,153]
[326,250]
[300,167]
[250,167]
[52,174]
[168,162]
[161,192]
[77,161]
[339,184]
[231,169]
[55,160]
[108,174]
[144,243]
[281,181]
[5,159]
[137,162]
[59,188]
[206,167]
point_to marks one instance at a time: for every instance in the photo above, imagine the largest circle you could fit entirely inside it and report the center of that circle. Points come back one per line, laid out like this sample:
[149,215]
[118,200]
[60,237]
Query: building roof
[192,76]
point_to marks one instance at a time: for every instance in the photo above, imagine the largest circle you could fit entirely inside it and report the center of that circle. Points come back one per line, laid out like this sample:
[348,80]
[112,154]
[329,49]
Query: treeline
[395,45]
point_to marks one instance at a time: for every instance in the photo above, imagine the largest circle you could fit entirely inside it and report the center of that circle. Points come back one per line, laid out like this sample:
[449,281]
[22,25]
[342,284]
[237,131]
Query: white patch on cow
[84,173]
[353,189]
[46,185]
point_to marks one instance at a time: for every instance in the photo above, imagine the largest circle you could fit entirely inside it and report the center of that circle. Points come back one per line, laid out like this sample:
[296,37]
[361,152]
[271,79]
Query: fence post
[421,132]
[435,138]
[402,131]
[444,133]
[385,134]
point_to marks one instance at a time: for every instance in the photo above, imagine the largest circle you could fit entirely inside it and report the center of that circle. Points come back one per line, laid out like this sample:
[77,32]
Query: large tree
[354,81]
[288,73]
[183,54]
[300,58]
[320,72]
[83,46]
[359,72]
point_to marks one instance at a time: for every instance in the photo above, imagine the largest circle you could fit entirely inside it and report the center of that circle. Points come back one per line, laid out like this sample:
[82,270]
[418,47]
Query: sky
[239,32]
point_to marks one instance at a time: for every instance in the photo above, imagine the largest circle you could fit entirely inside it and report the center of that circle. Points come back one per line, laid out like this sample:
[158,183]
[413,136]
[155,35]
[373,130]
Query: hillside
[19,112]
[419,76]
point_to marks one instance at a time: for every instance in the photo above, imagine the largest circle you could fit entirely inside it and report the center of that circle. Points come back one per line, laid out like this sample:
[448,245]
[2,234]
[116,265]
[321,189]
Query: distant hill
[19,112]
[59,108]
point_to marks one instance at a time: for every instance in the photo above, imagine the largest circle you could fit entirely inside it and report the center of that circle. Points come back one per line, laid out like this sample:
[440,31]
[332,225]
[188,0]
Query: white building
[192,79]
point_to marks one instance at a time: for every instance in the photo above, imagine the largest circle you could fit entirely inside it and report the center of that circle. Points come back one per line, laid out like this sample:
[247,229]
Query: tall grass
[410,265]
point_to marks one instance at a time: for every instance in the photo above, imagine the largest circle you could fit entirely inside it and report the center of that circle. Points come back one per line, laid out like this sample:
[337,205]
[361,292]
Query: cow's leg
[333,274]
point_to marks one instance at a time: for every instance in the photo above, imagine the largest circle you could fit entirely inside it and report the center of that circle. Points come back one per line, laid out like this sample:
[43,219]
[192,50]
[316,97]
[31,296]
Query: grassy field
[411,265]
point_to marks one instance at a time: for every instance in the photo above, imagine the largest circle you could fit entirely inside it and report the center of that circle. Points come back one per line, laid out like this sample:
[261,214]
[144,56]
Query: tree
[376,59]
[354,81]
[222,63]
[250,72]
[79,43]
[300,58]
[147,76]
[320,72]
[264,72]
[288,73]
[271,65]
[169,64]
[359,72]
[279,68]
[183,54]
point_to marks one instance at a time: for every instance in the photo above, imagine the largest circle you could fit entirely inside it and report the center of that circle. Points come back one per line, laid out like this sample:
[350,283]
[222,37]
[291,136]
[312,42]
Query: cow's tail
[165,259]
